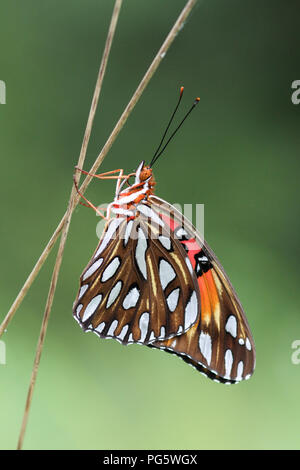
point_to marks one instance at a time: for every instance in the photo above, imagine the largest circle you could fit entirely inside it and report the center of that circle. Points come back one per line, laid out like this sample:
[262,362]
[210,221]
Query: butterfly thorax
[125,202]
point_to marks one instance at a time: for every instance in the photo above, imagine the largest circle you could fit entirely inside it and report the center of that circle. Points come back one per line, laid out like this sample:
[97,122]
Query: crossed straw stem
[64,224]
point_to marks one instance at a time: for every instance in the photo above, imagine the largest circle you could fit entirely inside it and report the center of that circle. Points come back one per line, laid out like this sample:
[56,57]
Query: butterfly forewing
[153,280]
[220,344]
[140,285]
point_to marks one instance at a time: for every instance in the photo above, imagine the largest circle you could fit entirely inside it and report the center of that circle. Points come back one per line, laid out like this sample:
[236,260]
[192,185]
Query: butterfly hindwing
[153,280]
[139,285]
[220,344]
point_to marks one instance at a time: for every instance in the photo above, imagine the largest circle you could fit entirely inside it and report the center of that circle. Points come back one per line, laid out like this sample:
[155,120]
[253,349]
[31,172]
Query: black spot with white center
[202,263]
[181,234]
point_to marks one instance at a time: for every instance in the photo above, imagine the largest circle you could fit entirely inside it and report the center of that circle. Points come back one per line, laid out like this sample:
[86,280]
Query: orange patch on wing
[209,296]
[205,301]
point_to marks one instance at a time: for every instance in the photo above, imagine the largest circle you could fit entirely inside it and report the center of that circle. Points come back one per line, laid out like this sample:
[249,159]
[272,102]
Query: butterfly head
[142,187]
[143,174]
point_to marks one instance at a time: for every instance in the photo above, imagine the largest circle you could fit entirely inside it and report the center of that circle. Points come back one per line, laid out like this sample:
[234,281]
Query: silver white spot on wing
[181,233]
[77,319]
[109,234]
[166,242]
[143,325]
[112,328]
[152,337]
[111,269]
[166,273]
[130,339]
[78,309]
[114,294]
[92,268]
[241,341]
[228,363]
[205,346]
[172,299]
[231,326]
[189,265]
[191,311]
[140,253]
[248,344]
[82,290]
[123,332]
[92,307]
[131,298]
[162,333]
[127,232]
[100,327]
[240,369]
[148,212]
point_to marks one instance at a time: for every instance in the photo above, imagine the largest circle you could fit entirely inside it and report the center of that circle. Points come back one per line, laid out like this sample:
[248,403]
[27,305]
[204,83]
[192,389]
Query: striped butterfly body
[152,280]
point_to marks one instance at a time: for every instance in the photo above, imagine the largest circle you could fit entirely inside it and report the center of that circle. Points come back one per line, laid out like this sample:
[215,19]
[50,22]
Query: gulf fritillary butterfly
[153,281]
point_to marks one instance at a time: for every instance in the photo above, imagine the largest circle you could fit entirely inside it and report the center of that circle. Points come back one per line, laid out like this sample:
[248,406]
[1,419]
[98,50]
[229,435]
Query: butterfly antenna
[168,126]
[172,135]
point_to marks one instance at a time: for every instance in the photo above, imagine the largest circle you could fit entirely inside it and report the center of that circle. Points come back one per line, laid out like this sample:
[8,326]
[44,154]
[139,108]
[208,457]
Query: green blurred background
[238,154]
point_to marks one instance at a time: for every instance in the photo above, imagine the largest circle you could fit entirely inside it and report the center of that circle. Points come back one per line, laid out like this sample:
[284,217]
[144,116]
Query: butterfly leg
[119,181]
[119,185]
[89,204]
[107,175]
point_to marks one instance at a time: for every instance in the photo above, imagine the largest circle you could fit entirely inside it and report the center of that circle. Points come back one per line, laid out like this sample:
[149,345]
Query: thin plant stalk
[75,199]
[159,56]
[66,224]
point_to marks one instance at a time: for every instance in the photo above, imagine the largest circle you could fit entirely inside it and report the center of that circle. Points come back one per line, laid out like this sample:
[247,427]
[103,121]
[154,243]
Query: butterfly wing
[139,286]
[220,344]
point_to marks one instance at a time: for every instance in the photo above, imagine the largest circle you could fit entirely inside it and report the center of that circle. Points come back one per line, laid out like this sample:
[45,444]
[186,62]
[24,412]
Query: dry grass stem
[159,56]
[74,198]
[66,223]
